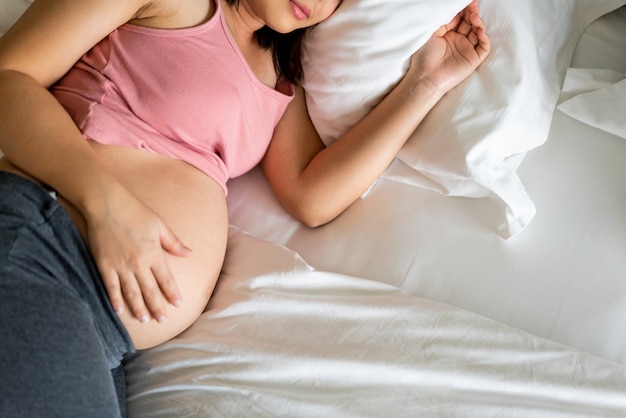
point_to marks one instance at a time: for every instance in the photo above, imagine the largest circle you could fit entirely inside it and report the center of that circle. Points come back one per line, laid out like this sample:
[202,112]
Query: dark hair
[286,49]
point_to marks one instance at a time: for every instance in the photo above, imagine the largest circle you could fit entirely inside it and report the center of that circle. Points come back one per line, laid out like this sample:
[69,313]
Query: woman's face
[287,15]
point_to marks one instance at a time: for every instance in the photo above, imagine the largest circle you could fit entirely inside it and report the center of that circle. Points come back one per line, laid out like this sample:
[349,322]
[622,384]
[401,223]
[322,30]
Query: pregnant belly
[194,207]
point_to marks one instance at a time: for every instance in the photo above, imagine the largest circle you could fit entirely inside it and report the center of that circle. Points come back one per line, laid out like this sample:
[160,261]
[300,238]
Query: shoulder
[53,34]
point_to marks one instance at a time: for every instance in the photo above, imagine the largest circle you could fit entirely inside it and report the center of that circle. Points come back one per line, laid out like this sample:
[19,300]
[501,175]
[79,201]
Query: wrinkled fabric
[281,339]
[598,99]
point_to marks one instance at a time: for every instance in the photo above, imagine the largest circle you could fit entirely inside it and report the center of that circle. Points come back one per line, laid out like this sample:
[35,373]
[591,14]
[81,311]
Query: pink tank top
[185,93]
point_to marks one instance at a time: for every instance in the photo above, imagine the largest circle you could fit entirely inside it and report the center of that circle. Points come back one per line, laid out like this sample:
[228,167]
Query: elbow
[314,222]
[312,214]
[310,205]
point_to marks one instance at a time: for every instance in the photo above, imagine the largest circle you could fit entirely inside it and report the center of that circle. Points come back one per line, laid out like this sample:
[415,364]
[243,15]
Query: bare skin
[156,226]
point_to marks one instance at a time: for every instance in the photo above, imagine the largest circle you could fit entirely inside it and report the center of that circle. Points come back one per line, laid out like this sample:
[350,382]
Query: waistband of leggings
[21,196]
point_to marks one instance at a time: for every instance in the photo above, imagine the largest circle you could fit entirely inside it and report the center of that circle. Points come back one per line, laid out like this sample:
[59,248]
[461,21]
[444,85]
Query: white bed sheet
[280,339]
[564,278]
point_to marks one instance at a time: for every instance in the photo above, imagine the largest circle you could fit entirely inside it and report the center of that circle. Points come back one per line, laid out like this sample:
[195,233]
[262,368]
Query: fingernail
[144,319]
[178,302]
[161,318]
[119,309]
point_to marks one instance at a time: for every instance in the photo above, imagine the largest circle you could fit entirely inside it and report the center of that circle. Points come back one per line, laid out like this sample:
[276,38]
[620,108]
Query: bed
[483,274]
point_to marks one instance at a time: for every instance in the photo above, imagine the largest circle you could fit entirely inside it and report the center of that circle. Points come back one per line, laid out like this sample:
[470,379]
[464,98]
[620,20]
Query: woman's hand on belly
[130,227]
[164,195]
[129,241]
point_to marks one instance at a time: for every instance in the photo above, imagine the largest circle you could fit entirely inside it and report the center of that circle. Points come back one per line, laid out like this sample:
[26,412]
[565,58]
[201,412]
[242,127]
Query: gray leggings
[61,344]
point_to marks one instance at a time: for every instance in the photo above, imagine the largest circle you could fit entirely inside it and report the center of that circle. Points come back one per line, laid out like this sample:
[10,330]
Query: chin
[284,27]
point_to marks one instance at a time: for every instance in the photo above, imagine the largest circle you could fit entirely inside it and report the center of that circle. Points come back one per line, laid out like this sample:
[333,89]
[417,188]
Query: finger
[473,38]
[465,25]
[167,283]
[134,298]
[476,21]
[112,285]
[454,23]
[484,41]
[171,243]
[484,47]
[472,7]
[152,295]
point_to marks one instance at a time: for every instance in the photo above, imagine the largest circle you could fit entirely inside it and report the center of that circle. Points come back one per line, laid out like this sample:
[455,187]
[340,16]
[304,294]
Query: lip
[299,10]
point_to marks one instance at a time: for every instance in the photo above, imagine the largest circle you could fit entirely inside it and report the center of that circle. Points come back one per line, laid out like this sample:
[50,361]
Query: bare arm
[48,39]
[315,183]
[39,137]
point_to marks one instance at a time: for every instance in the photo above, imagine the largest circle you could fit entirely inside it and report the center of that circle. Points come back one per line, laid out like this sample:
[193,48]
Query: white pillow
[361,52]
[473,141]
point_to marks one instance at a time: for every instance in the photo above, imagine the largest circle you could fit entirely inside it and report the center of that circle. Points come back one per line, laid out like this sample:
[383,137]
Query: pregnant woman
[121,122]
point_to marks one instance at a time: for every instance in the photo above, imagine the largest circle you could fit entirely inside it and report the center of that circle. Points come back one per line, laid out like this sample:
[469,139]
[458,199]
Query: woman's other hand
[454,51]
[129,243]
